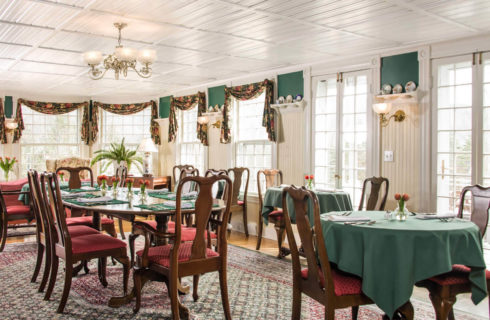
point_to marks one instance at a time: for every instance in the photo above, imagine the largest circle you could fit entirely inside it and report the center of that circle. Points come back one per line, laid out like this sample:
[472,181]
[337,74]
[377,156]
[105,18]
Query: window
[133,128]
[462,128]
[48,136]
[340,133]
[191,149]
[252,146]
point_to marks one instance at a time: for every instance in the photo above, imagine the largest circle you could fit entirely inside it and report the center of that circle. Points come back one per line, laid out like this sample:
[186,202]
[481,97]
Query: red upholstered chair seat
[459,275]
[276,214]
[240,202]
[344,283]
[77,231]
[187,234]
[16,185]
[94,243]
[161,254]
[19,210]
[86,221]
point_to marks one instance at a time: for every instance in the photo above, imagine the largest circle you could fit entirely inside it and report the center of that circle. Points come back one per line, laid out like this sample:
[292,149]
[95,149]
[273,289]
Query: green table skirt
[328,201]
[391,256]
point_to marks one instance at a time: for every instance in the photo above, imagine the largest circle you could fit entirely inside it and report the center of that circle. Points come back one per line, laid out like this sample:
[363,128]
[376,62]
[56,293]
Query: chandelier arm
[143,75]
[94,77]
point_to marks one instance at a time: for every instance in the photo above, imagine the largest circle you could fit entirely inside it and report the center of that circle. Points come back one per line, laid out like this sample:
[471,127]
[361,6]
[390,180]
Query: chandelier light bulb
[126,54]
[147,56]
[93,57]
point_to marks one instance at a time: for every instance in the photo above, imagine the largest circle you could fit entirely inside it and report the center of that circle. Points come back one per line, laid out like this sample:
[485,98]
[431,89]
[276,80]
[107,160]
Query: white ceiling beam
[52,34]
[415,8]
[302,22]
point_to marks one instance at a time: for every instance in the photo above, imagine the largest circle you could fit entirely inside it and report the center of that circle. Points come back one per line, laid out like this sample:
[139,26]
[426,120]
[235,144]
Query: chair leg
[195,284]
[280,239]
[132,237]
[102,271]
[121,229]
[52,276]
[329,313]
[245,224]
[126,266]
[137,275]
[3,235]
[447,306]
[355,312]
[39,261]
[67,287]
[174,296]
[48,265]
[223,284]
[259,232]
[296,312]
[437,304]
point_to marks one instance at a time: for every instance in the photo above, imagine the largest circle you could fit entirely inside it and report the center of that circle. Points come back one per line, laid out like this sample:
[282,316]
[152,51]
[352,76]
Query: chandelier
[120,61]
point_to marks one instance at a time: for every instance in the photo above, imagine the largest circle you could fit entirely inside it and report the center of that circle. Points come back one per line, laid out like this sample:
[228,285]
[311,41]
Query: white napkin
[337,218]
[66,194]
[88,188]
[183,205]
[98,199]
[189,194]
[157,190]
[424,216]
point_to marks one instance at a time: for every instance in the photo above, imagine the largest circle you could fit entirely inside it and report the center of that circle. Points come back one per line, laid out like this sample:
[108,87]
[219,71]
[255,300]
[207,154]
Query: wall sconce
[10,125]
[383,109]
[205,120]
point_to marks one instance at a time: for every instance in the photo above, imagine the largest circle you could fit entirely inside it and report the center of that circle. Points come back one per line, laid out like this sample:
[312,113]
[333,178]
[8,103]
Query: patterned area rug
[259,287]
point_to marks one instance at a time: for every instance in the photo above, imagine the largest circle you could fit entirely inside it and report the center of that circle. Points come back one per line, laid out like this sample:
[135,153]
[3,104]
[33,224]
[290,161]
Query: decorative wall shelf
[298,106]
[396,98]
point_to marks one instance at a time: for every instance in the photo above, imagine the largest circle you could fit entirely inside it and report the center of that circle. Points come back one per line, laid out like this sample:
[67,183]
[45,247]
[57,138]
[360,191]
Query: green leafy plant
[117,152]
[7,165]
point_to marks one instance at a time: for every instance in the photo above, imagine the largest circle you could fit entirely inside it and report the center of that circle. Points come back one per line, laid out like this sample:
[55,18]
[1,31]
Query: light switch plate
[389,156]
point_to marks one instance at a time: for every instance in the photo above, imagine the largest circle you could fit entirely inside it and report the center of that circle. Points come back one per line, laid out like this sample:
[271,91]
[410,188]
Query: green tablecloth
[328,201]
[391,256]
[63,186]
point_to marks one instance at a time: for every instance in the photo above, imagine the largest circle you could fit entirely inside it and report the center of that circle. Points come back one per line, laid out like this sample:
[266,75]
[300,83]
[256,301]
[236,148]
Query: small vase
[401,213]
[130,195]
[114,192]
[6,176]
[103,189]
[310,185]
[143,196]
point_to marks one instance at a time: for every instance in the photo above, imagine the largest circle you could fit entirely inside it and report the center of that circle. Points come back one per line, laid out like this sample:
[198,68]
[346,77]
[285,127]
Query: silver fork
[347,213]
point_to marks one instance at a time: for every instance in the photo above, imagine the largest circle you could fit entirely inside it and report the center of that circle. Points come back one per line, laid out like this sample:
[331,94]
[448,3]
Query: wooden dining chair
[218,191]
[236,204]
[76,249]
[122,174]
[45,247]
[76,183]
[373,186]
[12,211]
[177,172]
[444,288]
[273,177]
[171,262]
[320,281]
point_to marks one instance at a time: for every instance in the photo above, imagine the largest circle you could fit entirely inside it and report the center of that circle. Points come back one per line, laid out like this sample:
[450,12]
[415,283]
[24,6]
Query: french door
[340,131]
[461,122]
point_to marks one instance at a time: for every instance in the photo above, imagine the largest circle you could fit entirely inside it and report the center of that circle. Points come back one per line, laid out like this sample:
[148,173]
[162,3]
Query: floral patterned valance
[50,108]
[3,133]
[247,92]
[126,109]
[187,103]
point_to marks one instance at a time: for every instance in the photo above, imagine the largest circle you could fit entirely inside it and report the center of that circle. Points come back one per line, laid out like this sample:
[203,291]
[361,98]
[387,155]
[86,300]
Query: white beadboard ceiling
[203,41]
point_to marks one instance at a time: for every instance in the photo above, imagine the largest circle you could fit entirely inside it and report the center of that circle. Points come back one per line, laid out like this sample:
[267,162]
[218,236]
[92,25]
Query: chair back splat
[177,172]
[74,181]
[375,185]
[237,177]
[203,217]
[52,195]
[480,205]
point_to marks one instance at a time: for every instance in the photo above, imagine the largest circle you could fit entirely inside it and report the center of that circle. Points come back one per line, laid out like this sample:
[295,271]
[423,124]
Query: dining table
[158,203]
[391,256]
[329,200]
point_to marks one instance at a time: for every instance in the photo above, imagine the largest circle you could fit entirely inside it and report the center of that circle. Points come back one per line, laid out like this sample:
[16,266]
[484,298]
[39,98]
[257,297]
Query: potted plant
[117,154]
[7,165]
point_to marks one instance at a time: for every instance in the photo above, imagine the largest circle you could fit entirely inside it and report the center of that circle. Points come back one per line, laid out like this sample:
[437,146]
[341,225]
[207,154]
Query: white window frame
[103,144]
[79,144]
[179,142]
[477,119]
[235,141]
[370,122]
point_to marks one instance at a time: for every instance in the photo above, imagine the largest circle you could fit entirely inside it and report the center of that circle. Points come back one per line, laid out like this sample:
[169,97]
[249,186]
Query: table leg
[162,221]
